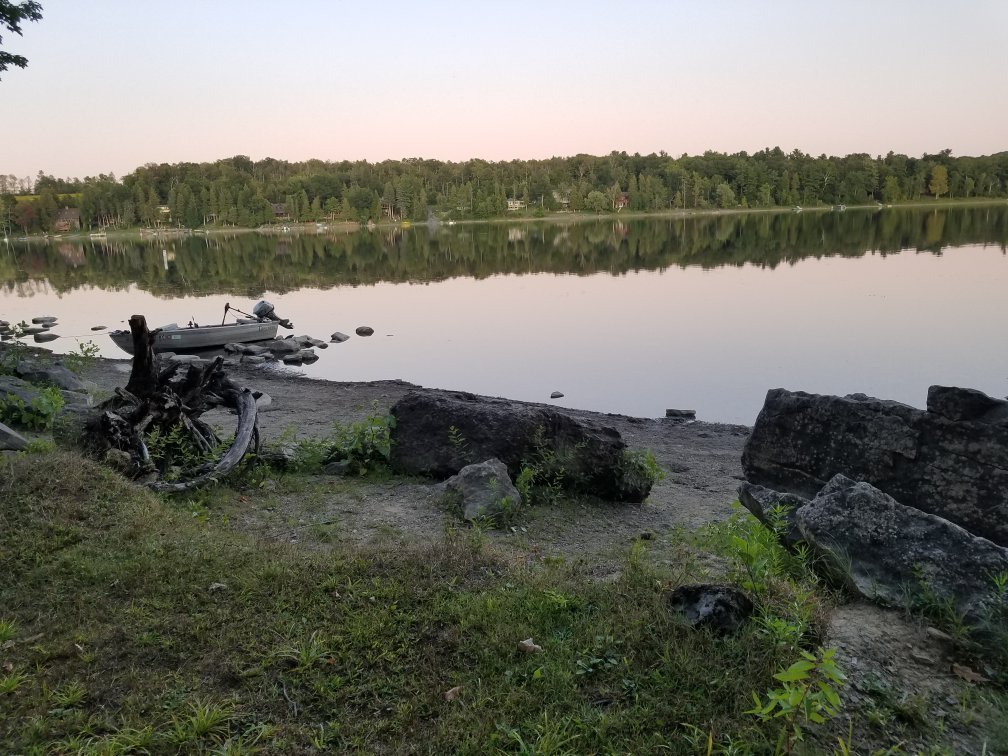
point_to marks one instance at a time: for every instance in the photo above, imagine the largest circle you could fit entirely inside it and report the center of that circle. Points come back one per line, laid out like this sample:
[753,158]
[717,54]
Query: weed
[202,721]
[8,630]
[10,682]
[640,469]
[69,695]
[82,358]
[38,414]
[365,446]
[808,694]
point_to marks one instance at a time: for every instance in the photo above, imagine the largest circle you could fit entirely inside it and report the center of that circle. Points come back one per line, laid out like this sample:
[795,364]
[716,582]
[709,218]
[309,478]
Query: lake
[629,316]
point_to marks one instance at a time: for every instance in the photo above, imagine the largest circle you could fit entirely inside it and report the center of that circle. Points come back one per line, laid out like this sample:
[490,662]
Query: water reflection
[251,263]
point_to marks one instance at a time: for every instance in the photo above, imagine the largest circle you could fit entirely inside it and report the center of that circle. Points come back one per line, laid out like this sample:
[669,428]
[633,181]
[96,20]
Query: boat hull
[200,337]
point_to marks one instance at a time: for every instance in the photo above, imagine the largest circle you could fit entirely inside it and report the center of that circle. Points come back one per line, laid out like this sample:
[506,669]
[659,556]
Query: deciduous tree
[12,14]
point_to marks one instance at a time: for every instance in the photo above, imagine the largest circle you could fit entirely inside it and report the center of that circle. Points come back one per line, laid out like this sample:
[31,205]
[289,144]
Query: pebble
[364,330]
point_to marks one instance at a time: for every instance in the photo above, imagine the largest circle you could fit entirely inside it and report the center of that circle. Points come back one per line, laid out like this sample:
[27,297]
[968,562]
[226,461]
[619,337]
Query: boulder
[12,386]
[364,330]
[253,359]
[721,608]
[681,414]
[950,460]
[888,552]
[281,347]
[41,338]
[55,374]
[308,356]
[556,395]
[485,490]
[438,434]
[292,359]
[339,338]
[761,501]
[11,440]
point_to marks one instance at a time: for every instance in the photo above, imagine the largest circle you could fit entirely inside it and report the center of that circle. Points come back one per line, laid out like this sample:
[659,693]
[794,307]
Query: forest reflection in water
[625,316]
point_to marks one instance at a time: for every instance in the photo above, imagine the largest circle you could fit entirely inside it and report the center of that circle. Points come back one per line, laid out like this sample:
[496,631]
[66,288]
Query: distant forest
[241,192]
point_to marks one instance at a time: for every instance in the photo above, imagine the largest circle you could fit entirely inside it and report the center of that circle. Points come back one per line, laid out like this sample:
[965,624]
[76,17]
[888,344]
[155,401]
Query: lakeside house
[280,211]
[563,200]
[67,218]
[515,204]
[620,201]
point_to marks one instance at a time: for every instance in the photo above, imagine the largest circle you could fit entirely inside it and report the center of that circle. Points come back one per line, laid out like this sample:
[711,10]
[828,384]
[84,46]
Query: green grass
[130,623]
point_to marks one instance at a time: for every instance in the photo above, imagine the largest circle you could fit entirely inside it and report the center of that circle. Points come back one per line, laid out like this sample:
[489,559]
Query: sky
[114,84]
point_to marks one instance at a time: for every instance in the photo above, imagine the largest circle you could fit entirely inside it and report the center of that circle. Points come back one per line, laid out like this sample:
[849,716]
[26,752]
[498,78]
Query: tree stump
[171,401]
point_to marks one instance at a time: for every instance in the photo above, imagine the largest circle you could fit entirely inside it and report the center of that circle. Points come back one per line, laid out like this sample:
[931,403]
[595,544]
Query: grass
[132,623]
[342,650]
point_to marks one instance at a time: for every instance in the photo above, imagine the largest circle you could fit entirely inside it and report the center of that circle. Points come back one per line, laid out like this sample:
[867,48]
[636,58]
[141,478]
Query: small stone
[647,535]
[453,693]
[339,338]
[98,328]
[921,657]
[217,587]
[556,395]
[934,632]
[364,330]
[528,646]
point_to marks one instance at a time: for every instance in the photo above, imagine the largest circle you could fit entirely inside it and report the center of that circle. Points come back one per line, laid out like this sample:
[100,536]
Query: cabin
[515,204]
[620,201]
[66,219]
[280,211]
[563,200]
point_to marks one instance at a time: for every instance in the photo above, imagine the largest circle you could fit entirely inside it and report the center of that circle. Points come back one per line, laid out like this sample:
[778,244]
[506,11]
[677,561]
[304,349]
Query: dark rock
[681,414]
[11,440]
[954,468]
[966,404]
[337,467]
[98,328]
[41,338]
[281,346]
[364,330]
[485,490]
[308,356]
[12,386]
[761,501]
[339,338]
[54,374]
[45,320]
[292,359]
[253,359]
[32,330]
[721,608]
[556,395]
[438,434]
[883,550]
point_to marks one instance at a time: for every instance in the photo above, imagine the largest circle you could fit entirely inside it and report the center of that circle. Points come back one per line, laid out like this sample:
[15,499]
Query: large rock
[438,434]
[11,440]
[951,460]
[888,552]
[485,490]
[56,375]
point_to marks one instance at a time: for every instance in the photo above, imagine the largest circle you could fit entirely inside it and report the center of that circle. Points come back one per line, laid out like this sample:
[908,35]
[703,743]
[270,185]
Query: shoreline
[348,227]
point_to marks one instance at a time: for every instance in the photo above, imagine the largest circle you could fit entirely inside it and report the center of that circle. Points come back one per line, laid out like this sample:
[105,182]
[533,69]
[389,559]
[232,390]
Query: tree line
[241,192]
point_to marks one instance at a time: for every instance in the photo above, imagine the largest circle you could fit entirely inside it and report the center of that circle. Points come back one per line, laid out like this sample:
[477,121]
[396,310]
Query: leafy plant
[14,351]
[809,694]
[640,469]
[82,358]
[366,445]
[38,414]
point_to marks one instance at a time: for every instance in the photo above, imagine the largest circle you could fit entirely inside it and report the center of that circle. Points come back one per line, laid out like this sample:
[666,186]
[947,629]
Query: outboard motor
[265,311]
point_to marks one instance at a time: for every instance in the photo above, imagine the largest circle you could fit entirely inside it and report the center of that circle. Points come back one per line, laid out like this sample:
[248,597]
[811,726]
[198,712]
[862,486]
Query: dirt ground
[902,677]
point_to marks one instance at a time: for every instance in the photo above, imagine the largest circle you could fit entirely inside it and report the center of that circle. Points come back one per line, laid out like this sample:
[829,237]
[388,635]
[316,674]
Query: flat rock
[485,490]
[339,338]
[883,550]
[253,359]
[45,320]
[364,330]
[950,460]
[11,440]
[55,375]
[556,395]
[41,338]
[721,608]
[681,414]
[98,328]
[762,501]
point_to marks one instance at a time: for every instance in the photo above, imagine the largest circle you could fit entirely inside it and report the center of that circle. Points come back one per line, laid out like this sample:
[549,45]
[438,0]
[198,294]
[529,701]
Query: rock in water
[884,550]
[98,328]
[339,338]
[41,338]
[364,330]
[485,489]
[721,608]
[556,395]
[951,460]
[45,320]
[438,434]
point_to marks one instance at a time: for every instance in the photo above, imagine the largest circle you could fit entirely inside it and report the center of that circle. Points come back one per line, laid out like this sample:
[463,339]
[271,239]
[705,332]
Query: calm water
[633,317]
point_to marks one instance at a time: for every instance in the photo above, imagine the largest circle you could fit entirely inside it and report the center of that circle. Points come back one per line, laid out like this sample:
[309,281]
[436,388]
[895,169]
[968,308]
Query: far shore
[347,227]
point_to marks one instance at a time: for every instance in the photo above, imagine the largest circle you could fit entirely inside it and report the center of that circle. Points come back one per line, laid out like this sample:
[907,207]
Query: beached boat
[262,325]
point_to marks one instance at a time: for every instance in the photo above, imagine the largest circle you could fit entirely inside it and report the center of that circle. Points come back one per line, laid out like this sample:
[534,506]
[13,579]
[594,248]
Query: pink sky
[113,85]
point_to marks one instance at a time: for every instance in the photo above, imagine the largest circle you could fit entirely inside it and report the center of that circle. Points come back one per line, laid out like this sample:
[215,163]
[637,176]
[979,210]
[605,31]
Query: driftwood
[166,400]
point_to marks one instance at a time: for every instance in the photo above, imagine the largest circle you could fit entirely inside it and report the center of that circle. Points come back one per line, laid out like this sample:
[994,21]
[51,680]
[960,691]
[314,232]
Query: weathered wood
[165,399]
[143,375]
